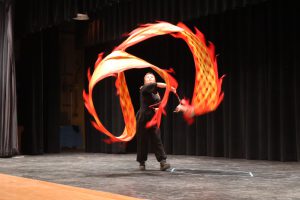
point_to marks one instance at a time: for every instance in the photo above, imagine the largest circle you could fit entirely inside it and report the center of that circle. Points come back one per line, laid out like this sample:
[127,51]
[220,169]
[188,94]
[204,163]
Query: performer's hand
[155,109]
[179,108]
[173,90]
[176,110]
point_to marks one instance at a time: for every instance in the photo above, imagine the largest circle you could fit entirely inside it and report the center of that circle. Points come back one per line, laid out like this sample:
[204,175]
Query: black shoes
[142,166]
[164,165]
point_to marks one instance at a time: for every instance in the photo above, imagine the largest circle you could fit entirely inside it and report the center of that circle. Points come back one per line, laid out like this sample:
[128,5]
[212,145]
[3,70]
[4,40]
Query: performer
[149,102]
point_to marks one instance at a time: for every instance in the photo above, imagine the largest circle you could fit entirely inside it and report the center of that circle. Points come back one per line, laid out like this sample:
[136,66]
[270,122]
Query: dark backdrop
[38,92]
[259,117]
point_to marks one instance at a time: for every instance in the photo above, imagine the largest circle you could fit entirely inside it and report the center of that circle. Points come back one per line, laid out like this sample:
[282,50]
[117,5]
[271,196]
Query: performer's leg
[142,145]
[157,145]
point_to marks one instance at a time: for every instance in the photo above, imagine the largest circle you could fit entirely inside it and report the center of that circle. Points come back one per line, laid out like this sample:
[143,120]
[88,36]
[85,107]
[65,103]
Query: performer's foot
[142,166]
[164,165]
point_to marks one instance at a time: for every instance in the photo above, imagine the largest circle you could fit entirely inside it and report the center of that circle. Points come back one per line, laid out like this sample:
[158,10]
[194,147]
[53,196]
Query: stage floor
[193,177]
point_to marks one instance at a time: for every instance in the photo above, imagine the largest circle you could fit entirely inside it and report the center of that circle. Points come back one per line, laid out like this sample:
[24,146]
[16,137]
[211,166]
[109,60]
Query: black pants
[144,136]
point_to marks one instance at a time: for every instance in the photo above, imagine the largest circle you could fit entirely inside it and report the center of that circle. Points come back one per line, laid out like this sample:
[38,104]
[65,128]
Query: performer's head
[149,78]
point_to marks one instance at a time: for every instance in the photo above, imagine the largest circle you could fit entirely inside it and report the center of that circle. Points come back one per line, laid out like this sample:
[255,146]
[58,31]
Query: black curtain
[259,117]
[8,98]
[38,89]
[120,17]
[38,15]
[115,16]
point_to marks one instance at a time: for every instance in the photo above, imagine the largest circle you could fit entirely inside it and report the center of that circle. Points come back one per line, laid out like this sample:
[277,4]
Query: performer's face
[149,78]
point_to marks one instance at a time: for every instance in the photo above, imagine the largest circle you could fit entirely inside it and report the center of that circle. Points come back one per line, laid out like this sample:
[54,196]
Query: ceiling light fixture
[81,17]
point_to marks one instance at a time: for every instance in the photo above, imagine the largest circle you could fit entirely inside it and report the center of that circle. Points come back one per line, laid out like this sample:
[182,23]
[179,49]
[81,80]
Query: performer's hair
[149,73]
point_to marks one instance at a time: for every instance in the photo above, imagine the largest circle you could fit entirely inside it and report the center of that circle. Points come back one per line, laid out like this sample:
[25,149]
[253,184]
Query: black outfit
[148,97]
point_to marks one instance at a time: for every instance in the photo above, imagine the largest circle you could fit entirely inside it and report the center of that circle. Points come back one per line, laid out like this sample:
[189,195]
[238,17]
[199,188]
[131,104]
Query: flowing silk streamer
[207,90]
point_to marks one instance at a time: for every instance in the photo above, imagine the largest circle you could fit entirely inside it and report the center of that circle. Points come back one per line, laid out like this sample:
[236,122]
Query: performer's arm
[163,85]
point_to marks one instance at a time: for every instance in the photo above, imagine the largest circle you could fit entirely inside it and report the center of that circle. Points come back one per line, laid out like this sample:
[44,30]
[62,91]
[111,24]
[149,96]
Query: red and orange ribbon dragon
[207,93]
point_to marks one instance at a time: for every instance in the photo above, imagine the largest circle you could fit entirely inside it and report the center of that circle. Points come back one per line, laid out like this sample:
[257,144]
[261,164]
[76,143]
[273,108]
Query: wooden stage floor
[17,188]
